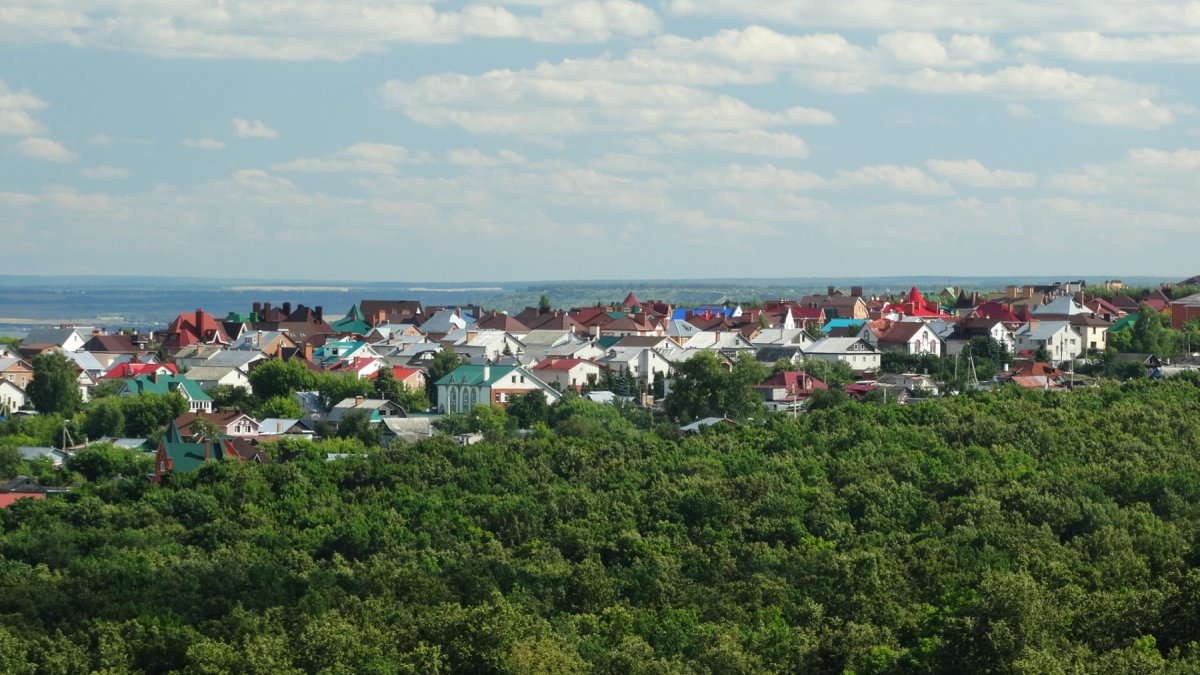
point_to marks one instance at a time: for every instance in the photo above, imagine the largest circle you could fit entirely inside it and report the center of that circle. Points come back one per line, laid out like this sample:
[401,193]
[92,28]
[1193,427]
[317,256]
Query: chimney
[1028,292]
[266,309]
[319,311]
[975,298]
[287,308]
[1011,291]
[308,350]
[856,291]
[358,400]
[257,310]
[830,290]
[199,318]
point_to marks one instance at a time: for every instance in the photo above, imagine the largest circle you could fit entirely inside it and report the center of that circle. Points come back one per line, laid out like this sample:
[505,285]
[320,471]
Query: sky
[599,139]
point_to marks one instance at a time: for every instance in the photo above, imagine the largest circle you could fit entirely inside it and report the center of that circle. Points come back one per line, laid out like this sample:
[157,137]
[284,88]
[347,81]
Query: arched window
[453,399]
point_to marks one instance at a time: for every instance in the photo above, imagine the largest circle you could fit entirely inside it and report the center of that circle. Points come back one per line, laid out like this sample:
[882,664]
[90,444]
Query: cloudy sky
[564,139]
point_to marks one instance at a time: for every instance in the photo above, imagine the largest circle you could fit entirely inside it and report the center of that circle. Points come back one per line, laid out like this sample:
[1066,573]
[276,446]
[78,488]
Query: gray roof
[838,345]
[85,361]
[31,453]
[443,322]
[772,354]
[49,336]
[681,328]
[1061,306]
[1042,330]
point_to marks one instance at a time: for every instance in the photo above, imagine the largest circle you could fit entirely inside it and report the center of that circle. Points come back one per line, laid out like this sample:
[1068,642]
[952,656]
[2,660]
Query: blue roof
[842,323]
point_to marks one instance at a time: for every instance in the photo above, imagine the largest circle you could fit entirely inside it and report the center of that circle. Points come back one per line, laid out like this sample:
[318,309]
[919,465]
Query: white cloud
[104,172]
[1140,113]
[15,112]
[46,150]
[741,142]
[202,143]
[524,103]
[999,16]
[380,158]
[923,49]
[908,179]
[1184,159]
[1092,46]
[337,30]
[253,129]
[971,172]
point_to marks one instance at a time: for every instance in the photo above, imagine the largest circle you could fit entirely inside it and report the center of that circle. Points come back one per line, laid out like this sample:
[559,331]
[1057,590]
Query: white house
[471,385]
[12,397]
[855,352]
[568,373]
[1061,340]
[910,337]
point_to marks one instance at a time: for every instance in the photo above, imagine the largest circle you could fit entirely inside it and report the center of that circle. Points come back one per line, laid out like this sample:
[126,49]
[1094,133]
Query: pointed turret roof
[631,301]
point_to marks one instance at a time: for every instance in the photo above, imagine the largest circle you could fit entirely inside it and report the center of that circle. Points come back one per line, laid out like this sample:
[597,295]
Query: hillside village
[394,368]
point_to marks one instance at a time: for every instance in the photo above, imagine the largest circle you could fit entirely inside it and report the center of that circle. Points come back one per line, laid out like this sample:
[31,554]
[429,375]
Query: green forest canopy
[1004,532]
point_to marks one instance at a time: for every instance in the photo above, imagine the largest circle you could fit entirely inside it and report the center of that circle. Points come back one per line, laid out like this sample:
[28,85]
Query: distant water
[147,304]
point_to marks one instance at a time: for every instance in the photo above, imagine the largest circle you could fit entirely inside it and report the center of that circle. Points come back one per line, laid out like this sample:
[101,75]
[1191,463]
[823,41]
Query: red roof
[399,372]
[125,371]
[631,301]
[559,364]
[995,310]
[7,498]
[200,326]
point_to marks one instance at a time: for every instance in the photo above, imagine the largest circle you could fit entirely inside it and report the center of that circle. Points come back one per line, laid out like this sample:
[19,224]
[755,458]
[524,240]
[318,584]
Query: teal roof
[842,323]
[344,348]
[607,341]
[185,457]
[473,375]
[618,315]
[164,384]
[353,322]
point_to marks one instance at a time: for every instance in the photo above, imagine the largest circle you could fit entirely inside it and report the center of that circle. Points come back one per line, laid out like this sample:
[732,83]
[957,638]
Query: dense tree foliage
[1004,532]
[704,388]
[55,385]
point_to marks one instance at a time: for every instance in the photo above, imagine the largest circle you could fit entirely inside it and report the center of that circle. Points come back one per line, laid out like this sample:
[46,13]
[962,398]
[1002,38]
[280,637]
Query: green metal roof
[185,457]
[1123,323]
[164,384]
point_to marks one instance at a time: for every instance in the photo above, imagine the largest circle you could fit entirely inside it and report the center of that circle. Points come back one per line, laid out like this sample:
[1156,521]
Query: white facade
[855,352]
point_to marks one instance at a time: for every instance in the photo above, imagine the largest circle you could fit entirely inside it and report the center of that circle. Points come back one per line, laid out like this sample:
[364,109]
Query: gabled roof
[476,375]
[163,384]
[1042,330]
[113,344]
[1060,306]
[794,379]
[49,336]
[901,332]
[562,364]
[831,345]
[122,371]
[502,322]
